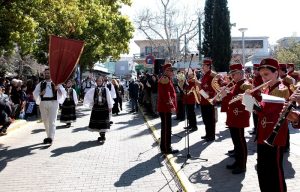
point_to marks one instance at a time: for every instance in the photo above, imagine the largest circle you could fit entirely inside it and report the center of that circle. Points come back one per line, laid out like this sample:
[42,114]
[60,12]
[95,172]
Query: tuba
[181,80]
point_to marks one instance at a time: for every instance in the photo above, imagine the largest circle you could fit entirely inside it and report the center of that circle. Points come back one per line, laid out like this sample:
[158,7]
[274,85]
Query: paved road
[128,161]
[212,175]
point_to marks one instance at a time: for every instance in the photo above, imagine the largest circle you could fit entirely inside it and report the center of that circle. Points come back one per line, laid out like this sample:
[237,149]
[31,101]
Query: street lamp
[243,42]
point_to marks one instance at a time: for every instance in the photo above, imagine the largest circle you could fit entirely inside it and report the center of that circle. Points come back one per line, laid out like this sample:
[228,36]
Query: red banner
[64,54]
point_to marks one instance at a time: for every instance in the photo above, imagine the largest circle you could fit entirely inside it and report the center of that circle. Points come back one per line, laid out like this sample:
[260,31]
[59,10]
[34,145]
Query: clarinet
[270,140]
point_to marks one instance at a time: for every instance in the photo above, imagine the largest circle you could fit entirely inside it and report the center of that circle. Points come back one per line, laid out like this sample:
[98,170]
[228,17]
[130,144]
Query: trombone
[240,97]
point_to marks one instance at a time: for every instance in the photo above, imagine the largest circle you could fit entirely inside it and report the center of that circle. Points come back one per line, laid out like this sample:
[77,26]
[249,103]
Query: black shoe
[193,129]
[232,166]
[253,133]
[68,125]
[50,141]
[238,170]
[111,122]
[188,127]
[204,137]
[47,141]
[100,139]
[208,139]
[2,133]
[131,111]
[172,151]
[231,151]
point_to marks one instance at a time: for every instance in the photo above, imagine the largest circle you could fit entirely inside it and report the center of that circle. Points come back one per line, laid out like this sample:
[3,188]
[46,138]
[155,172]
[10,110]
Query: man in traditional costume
[101,102]
[68,111]
[49,96]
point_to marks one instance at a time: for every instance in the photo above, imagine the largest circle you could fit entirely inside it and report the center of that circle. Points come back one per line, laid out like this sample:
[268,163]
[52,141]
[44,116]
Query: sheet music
[272,99]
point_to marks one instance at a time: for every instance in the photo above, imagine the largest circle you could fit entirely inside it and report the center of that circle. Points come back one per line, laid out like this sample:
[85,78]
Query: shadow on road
[139,171]
[78,147]
[8,155]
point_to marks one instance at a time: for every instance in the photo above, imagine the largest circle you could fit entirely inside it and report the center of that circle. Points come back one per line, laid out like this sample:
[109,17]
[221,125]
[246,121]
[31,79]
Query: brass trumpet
[240,97]
[220,91]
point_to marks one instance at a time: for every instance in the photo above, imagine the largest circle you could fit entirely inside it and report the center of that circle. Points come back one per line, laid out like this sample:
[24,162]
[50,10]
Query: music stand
[187,132]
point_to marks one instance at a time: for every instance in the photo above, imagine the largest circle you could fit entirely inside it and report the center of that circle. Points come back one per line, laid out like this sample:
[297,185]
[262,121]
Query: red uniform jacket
[189,97]
[257,80]
[237,116]
[224,102]
[206,86]
[166,100]
[268,116]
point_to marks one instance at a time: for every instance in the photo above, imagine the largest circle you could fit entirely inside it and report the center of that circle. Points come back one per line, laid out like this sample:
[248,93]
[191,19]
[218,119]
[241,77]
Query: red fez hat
[282,65]
[167,66]
[235,67]
[290,65]
[269,62]
[207,62]
[256,65]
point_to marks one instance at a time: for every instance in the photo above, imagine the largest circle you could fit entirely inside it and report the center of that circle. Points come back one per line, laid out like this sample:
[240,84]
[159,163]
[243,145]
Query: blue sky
[272,18]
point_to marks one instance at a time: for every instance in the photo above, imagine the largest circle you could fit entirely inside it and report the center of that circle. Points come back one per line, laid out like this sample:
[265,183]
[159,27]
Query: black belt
[48,99]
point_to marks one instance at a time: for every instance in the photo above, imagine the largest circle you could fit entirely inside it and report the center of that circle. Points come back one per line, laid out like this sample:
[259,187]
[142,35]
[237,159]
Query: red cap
[167,66]
[235,67]
[282,66]
[269,62]
[256,65]
[290,65]
[207,62]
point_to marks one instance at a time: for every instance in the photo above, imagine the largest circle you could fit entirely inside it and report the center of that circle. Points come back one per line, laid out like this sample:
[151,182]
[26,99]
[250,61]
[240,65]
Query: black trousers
[180,110]
[255,121]
[165,127]
[240,146]
[209,120]
[191,115]
[269,168]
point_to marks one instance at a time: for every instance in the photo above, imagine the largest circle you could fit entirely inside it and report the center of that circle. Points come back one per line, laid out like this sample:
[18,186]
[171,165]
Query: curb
[16,125]
[177,170]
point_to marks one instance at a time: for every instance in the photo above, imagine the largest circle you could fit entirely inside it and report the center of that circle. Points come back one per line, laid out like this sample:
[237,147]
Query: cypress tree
[207,29]
[221,41]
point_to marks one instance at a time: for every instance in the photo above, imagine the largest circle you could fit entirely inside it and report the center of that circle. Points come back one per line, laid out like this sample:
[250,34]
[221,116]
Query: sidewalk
[212,175]
[128,161]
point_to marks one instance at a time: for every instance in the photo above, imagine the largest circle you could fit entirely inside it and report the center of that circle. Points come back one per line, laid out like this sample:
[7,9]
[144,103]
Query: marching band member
[190,100]
[166,104]
[68,111]
[101,102]
[49,96]
[237,119]
[292,72]
[257,80]
[289,82]
[269,158]
[207,109]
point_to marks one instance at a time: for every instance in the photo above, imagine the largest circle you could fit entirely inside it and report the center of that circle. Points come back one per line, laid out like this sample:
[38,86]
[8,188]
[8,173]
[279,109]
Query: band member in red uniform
[238,119]
[207,109]
[166,104]
[257,80]
[286,79]
[269,158]
[190,100]
[292,72]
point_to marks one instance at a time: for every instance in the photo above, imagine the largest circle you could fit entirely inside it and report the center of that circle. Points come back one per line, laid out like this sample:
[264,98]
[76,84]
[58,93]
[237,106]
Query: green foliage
[27,24]
[221,41]
[207,28]
[289,54]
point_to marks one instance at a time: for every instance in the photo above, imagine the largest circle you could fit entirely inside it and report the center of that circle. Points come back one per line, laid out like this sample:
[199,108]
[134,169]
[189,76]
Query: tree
[168,24]
[289,54]
[221,46]
[27,24]
[207,28]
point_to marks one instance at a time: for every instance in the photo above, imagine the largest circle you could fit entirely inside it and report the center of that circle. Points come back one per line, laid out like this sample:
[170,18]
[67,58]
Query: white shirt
[89,98]
[60,95]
